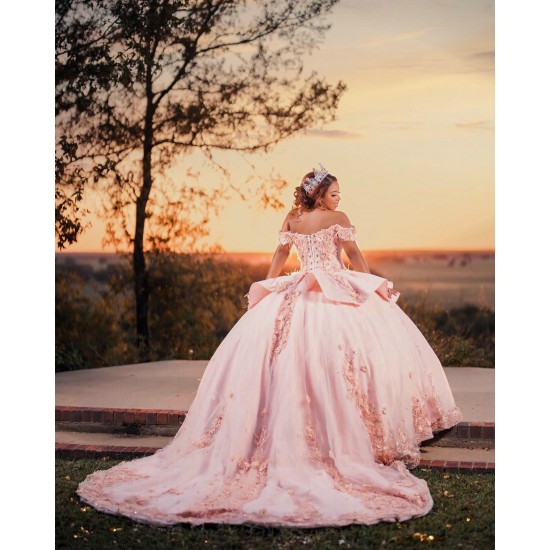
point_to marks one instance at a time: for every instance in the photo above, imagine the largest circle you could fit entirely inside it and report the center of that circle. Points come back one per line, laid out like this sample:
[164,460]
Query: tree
[139,83]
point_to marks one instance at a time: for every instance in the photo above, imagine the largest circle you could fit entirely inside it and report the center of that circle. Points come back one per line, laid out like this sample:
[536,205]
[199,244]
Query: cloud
[475,125]
[484,60]
[333,134]
[394,66]
[398,37]
[488,55]
[400,125]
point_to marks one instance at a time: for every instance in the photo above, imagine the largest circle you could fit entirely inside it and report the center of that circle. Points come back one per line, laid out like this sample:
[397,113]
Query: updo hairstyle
[309,202]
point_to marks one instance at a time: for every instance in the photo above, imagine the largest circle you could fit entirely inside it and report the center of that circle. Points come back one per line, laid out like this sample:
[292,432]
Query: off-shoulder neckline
[319,230]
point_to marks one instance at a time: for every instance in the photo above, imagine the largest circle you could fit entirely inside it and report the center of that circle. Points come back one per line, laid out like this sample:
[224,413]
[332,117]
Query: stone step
[124,446]
[119,420]
[166,422]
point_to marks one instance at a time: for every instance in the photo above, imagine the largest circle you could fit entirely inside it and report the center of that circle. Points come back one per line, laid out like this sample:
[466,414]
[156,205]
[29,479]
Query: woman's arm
[358,261]
[355,256]
[278,261]
[350,247]
[281,253]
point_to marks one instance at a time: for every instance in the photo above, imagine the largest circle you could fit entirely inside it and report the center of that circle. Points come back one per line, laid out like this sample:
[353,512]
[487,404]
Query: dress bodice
[319,250]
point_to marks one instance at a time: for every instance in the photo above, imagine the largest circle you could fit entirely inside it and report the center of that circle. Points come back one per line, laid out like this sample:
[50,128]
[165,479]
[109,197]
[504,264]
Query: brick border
[139,417]
[73,450]
[456,466]
[471,430]
[167,417]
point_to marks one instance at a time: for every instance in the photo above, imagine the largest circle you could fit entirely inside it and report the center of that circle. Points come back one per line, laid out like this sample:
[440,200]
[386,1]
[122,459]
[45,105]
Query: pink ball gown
[309,413]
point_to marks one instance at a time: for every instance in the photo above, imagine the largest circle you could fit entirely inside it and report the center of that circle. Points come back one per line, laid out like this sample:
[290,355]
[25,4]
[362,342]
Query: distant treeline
[194,303]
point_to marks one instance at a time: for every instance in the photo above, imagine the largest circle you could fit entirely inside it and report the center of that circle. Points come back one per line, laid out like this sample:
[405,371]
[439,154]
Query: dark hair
[310,202]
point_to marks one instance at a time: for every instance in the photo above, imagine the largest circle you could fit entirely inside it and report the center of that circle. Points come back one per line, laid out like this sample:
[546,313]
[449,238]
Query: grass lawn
[462,517]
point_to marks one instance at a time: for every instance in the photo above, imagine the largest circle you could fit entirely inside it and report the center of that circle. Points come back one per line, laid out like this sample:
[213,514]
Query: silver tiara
[318,176]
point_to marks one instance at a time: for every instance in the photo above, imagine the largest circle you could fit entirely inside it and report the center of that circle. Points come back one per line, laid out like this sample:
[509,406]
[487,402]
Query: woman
[311,410]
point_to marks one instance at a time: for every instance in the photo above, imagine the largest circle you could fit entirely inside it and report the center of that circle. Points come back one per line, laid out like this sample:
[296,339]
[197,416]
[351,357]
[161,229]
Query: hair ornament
[318,176]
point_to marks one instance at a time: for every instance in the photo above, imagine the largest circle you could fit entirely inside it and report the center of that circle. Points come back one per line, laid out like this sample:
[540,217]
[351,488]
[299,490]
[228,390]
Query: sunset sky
[413,142]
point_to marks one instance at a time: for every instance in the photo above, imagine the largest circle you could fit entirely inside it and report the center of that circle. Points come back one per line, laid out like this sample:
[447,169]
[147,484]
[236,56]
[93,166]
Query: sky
[413,140]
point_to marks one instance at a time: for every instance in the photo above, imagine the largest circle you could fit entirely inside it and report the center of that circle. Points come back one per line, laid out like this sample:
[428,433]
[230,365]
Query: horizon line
[270,252]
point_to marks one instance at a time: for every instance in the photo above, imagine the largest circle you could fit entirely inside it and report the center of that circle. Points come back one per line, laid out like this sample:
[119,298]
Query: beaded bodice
[319,250]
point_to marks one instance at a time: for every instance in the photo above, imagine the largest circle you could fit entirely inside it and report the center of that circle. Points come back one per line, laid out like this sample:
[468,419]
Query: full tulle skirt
[310,413]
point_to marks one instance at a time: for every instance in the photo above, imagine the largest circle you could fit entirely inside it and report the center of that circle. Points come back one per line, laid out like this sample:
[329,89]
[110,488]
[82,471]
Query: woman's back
[311,222]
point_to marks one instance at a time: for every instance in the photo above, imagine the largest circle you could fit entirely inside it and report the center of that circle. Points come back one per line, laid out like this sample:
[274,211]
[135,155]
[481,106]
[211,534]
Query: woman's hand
[391,292]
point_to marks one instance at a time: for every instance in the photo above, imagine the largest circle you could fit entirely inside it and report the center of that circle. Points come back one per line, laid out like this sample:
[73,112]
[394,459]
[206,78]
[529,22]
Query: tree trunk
[141,286]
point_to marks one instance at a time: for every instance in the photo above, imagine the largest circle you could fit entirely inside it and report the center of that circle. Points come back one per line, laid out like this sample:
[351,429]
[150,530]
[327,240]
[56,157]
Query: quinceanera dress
[309,413]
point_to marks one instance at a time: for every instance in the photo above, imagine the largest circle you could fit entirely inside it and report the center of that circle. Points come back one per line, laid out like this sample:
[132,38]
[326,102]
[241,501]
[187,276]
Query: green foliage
[196,300]
[88,332]
[461,336]
[194,304]
[462,517]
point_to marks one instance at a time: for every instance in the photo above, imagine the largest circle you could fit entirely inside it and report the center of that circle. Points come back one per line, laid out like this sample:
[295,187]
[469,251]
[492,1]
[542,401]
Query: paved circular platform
[171,385]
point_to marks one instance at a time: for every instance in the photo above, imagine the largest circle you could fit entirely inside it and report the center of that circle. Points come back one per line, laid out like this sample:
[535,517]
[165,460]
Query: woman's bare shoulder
[343,219]
[286,222]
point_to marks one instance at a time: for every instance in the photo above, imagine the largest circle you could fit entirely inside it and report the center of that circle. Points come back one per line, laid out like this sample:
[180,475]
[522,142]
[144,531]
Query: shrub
[87,328]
